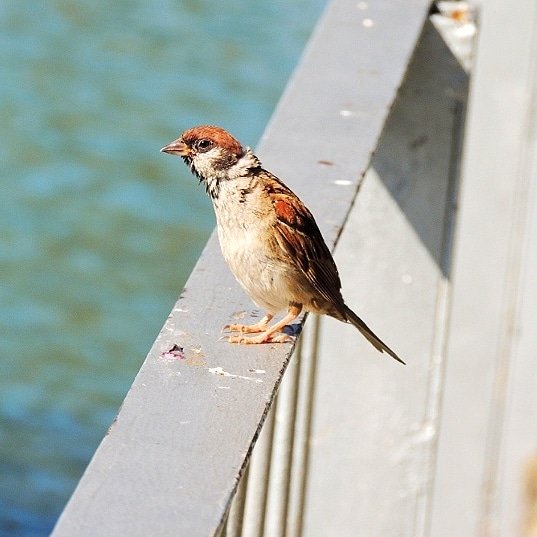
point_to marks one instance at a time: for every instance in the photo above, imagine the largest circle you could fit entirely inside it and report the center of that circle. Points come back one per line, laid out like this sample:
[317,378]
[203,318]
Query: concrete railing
[369,134]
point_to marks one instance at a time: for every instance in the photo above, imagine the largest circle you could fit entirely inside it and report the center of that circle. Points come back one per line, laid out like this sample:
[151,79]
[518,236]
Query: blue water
[99,231]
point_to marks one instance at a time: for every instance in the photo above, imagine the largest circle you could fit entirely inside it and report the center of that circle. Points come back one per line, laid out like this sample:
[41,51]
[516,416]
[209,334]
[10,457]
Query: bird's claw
[261,338]
[232,328]
[245,328]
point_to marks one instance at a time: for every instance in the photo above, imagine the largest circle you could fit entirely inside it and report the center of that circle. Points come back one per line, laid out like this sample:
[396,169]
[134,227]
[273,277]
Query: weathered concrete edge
[333,111]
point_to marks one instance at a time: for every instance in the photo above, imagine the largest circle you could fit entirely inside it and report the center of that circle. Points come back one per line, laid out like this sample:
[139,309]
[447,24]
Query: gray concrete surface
[375,426]
[172,459]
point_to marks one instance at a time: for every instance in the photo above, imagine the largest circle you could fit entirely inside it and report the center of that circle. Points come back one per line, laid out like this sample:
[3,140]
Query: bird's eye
[204,145]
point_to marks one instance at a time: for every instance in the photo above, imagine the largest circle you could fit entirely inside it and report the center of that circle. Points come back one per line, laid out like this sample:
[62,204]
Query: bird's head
[213,155]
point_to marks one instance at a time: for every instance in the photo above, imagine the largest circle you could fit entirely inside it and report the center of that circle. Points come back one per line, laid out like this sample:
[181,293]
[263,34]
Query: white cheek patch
[204,162]
[212,164]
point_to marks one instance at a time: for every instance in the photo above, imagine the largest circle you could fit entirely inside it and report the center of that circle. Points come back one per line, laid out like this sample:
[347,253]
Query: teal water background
[98,230]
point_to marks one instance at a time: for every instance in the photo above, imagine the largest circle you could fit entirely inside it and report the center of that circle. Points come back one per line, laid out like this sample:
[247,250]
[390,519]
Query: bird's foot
[275,337]
[276,333]
[246,328]
[256,328]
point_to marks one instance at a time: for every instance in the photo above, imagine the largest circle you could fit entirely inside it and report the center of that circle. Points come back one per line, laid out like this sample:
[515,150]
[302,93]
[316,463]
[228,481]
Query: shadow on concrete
[419,151]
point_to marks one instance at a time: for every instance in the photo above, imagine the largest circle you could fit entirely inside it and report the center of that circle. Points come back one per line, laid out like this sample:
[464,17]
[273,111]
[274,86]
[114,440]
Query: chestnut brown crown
[203,139]
[212,154]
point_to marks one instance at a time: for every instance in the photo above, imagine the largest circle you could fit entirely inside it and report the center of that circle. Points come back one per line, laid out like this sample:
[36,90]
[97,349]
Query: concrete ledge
[173,457]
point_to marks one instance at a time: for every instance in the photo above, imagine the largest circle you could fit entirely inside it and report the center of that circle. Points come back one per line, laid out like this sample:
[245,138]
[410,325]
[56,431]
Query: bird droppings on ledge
[174,353]
[220,371]
[368,23]
[346,113]
[342,182]
[258,371]
[193,356]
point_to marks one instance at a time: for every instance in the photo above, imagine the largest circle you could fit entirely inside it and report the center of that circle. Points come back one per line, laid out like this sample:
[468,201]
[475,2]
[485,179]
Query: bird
[268,237]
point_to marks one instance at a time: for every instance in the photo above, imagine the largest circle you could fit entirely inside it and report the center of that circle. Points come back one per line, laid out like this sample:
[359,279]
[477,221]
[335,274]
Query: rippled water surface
[99,231]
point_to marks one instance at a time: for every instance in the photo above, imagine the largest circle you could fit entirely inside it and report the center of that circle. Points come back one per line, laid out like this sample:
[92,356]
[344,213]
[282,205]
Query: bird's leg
[261,326]
[272,333]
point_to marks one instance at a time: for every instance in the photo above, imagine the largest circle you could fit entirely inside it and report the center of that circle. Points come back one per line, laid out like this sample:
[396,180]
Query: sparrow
[268,237]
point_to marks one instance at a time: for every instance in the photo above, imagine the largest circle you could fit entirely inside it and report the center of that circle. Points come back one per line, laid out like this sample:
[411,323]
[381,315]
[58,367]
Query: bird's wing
[298,235]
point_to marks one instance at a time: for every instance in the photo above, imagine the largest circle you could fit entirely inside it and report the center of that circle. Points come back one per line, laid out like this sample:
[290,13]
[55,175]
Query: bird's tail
[352,318]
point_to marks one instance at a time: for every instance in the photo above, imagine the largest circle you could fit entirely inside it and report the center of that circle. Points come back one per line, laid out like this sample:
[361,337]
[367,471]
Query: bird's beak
[177,147]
